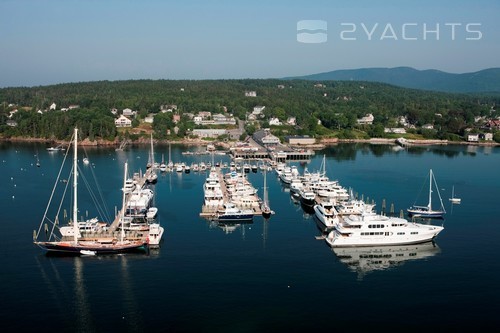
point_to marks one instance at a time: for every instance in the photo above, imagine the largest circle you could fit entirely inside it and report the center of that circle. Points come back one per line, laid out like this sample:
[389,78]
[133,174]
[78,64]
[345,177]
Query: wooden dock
[211,212]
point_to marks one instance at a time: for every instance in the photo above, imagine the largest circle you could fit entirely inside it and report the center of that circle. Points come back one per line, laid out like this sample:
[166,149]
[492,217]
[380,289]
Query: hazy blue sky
[54,41]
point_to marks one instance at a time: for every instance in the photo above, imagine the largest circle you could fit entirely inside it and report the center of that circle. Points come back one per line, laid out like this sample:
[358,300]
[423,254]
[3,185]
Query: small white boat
[152,212]
[454,199]
[86,161]
[88,252]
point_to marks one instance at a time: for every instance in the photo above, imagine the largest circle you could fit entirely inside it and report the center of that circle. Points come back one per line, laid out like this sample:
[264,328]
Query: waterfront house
[123,121]
[473,137]
[264,137]
[366,120]
[209,133]
[395,130]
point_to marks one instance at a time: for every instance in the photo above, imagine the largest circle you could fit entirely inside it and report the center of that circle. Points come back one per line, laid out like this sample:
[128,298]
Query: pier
[211,212]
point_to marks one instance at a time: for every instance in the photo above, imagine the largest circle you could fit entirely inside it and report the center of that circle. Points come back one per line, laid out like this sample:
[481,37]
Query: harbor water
[267,276]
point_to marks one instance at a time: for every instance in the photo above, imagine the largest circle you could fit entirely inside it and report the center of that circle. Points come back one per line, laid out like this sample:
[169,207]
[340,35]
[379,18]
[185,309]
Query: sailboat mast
[265,189]
[122,213]
[75,192]
[152,154]
[430,190]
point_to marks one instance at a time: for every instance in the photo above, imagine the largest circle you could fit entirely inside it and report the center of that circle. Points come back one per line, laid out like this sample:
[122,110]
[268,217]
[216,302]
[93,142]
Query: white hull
[424,233]
[155,234]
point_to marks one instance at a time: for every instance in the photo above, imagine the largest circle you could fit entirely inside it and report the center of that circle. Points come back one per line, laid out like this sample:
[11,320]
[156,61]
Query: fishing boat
[427,211]
[266,210]
[454,199]
[78,245]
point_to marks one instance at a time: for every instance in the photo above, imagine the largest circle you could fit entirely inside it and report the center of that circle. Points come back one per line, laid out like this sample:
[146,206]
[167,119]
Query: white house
[150,118]
[52,106]
[366,120]
[258,109]
[197,120]
[209,133]
[488,136]
[129,113]
[123,121]
[250,93]
[428,126]
[291,121]
[396,130]
[275,122]
[473,137]
[114,111]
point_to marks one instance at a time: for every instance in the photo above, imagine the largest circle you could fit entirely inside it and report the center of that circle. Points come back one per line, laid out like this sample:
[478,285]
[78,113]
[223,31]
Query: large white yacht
[325,212]
[370,229]
[354,207]
[213,195]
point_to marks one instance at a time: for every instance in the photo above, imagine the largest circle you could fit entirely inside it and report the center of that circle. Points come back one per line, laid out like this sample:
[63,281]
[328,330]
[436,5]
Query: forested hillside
[337,104]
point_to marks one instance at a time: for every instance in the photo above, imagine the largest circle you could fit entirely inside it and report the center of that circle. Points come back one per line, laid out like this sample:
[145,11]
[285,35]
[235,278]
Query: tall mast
[265,190]
[75,192]
[430,191]
[122,213]
[152,154]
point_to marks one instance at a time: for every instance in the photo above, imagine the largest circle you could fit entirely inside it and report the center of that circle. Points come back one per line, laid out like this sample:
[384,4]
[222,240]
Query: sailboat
[170,164]
[427,211]
[454,199]
[151,176]
[266,210]
[163,166]
[78,245]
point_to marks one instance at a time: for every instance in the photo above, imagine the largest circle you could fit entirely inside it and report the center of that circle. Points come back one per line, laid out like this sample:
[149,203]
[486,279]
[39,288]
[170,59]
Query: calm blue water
[266,276]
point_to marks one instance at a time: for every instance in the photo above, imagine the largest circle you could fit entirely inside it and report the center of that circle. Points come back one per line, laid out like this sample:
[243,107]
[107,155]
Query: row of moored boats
[349,221]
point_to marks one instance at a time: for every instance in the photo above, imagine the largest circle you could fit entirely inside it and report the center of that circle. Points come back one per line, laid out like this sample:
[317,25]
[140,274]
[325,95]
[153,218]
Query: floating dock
[211,212]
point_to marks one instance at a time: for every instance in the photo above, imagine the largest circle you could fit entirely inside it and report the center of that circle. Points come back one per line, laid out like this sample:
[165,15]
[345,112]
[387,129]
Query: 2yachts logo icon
[311,31]
[315,31]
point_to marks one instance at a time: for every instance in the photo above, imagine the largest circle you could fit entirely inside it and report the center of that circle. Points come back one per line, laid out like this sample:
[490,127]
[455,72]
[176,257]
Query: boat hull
[76,249]
[235,217]
[334,239]
[425,214]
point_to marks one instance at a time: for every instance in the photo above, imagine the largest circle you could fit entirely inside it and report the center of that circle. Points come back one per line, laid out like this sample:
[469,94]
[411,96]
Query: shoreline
[322,143]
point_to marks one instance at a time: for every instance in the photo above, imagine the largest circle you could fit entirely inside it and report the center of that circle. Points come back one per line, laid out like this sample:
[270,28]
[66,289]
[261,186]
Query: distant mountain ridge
[487,80]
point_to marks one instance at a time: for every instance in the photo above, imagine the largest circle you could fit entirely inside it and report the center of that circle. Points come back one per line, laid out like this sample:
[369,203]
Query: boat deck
[210,212]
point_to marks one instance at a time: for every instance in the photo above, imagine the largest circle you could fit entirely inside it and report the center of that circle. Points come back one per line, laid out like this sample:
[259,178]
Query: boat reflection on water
[364,260]
[230,226]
